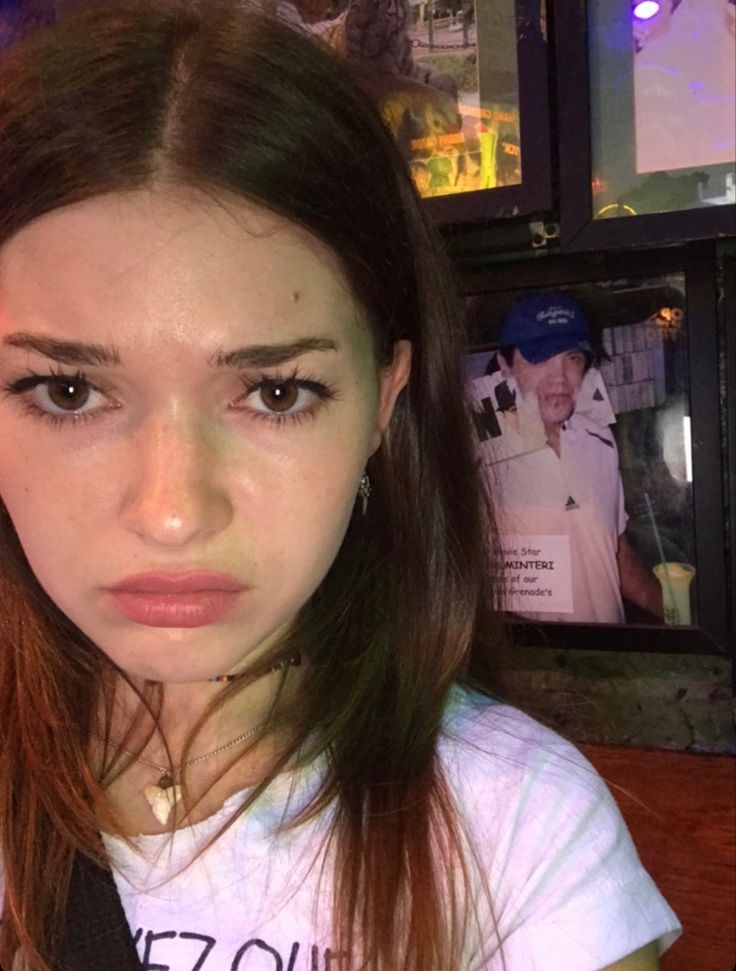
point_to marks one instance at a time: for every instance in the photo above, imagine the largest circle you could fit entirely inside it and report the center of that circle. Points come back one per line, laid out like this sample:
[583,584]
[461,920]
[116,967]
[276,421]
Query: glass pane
[591,470]
[663,105]
[445,75]
[467,137]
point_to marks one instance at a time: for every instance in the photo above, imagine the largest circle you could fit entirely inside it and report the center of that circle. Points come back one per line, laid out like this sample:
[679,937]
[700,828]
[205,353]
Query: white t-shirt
[568,889]
[579,495]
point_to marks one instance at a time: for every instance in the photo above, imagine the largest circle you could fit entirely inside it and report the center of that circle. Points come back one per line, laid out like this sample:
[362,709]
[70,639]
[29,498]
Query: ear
[391,380]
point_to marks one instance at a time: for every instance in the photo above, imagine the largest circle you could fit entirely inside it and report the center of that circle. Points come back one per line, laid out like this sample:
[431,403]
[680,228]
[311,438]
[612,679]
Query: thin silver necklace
[163,797]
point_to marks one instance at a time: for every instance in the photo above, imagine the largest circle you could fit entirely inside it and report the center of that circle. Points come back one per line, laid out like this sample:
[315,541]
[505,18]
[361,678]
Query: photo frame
[686,486]
[534,192]
[679,202]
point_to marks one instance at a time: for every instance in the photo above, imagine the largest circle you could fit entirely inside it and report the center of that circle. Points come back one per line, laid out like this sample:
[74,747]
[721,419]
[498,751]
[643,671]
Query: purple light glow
[645,9]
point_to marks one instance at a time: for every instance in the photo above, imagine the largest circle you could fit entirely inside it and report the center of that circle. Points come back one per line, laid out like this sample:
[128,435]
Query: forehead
[171,265]
[573,352]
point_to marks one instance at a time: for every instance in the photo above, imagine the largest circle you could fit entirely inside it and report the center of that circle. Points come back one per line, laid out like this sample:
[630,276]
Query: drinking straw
[661,554]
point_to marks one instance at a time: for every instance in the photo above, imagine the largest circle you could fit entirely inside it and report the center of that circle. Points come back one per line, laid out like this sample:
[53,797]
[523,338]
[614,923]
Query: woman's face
[164,450]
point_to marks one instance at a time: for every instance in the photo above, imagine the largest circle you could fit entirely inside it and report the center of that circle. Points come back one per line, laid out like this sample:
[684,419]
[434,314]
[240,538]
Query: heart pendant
[162,801]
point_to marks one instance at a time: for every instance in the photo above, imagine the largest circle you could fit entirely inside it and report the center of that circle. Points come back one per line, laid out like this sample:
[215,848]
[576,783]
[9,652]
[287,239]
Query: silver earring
[364,491]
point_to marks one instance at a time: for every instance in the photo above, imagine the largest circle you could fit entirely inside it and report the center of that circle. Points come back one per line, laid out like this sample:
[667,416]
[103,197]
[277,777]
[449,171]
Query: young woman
[246,583]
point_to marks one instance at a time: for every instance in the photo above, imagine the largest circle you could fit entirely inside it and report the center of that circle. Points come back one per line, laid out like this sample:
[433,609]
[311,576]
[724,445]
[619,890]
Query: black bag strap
[97,935]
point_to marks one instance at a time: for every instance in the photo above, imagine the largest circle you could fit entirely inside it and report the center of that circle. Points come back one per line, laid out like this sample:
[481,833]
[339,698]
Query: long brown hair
[237,103]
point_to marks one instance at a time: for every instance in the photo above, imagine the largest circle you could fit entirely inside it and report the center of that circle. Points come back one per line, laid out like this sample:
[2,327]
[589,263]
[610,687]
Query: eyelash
[22,386]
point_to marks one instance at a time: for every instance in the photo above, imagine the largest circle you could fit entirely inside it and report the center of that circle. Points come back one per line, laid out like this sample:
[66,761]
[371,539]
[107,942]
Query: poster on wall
[580,405]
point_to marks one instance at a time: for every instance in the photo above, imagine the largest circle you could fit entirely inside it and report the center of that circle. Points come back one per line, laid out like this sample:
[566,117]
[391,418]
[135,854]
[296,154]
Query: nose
[556,368]
[174,499]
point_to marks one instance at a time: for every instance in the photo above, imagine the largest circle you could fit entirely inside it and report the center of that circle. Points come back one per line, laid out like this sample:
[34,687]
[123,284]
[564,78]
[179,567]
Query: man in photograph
[560,507]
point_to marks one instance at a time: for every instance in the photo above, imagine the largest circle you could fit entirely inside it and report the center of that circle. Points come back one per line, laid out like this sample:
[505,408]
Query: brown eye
[69,394]
[280,397]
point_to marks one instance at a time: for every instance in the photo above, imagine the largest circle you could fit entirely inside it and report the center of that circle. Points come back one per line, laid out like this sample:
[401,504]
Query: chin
[556,416]
[168,673]
[169,677]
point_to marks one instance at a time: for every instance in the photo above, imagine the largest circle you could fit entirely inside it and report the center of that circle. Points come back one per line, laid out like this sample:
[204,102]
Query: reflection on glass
[663,97]
[593,499]
[469,51]
[445,76]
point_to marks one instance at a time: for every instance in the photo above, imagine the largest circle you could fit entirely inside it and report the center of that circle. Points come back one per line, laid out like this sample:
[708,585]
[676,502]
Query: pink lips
[191,599]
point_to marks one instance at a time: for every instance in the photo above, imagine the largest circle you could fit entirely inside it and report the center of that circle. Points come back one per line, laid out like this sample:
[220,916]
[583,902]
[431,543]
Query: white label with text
[537,574]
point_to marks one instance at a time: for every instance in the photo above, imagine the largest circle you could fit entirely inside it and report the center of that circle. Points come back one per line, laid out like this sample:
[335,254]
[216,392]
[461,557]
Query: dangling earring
[364,491]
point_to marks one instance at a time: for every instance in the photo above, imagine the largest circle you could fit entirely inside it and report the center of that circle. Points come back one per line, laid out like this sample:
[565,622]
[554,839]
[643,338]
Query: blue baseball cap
[544,324]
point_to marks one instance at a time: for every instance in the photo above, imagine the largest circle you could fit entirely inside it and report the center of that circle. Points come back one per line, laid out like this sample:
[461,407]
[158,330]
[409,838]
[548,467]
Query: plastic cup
[675,580]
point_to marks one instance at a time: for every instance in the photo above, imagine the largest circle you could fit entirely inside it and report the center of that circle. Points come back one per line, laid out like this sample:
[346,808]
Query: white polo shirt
[577,495]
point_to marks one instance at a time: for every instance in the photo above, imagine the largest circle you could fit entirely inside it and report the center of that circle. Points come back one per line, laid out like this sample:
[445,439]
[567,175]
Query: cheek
[51,535]
[55,509]
[527,380]
[303,523]
[305,514]
[576,381]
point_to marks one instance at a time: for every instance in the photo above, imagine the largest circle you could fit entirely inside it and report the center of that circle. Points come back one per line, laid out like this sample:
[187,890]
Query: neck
[553,436]
[184,704]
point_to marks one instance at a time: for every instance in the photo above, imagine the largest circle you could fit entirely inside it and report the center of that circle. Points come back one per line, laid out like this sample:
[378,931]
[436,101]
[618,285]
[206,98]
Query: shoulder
[550,841]
[479,722]
[521,786]
[492,747]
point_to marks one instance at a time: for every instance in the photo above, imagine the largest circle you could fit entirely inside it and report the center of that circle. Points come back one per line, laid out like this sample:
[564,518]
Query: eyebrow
[97,355]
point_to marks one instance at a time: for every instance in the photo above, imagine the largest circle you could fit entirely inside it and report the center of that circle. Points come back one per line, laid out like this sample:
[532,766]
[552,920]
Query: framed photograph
[465,91]
[647,121]
[463,86]
[497,160]
[596,400]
